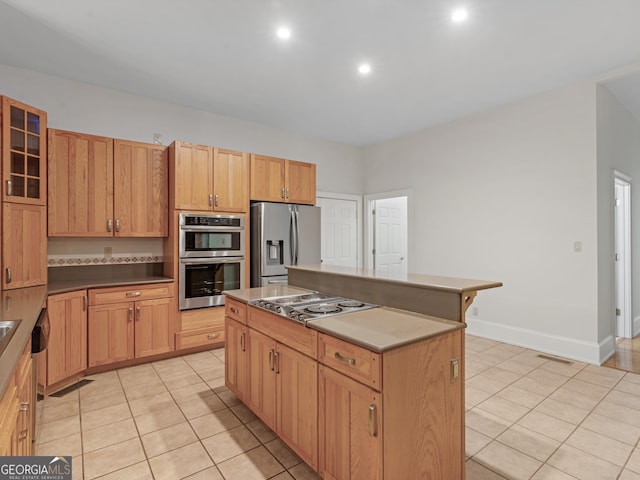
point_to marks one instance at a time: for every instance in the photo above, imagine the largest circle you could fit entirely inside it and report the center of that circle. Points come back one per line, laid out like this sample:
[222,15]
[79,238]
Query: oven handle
[209,261]
[211,229]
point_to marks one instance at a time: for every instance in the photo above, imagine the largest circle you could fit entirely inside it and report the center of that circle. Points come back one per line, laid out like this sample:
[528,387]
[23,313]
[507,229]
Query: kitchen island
[374,394]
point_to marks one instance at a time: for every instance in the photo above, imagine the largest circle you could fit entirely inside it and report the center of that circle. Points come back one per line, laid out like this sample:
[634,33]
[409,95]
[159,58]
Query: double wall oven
[211,258]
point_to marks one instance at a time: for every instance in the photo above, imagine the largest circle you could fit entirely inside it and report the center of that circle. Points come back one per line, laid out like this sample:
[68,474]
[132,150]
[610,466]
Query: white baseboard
[594,353]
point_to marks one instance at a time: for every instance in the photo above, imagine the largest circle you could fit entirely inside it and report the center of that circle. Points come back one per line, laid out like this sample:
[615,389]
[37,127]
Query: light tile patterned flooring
[527,418]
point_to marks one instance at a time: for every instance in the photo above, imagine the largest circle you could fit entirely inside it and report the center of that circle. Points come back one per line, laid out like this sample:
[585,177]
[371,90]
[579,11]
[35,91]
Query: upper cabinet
[278,180]
[141,186]
[99,187]
[208,179]
[24,153]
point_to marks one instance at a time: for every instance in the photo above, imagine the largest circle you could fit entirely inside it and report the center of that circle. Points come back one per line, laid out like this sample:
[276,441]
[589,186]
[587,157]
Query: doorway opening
[622,255]
[387,232]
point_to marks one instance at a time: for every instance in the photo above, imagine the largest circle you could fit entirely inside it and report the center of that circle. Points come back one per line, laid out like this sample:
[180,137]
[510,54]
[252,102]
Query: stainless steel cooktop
[310,306]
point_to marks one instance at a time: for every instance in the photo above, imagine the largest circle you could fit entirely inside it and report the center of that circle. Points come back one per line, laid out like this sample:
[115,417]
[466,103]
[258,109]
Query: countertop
[431,282]
[377,329]
[71,285]
[21,304]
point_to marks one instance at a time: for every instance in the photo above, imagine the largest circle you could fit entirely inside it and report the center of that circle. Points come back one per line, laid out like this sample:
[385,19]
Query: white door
[622,258]
[339,231]
[390,235]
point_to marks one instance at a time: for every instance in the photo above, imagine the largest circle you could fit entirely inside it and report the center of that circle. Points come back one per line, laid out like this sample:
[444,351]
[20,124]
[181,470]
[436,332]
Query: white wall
[619,149]
[89,109]
[503,195]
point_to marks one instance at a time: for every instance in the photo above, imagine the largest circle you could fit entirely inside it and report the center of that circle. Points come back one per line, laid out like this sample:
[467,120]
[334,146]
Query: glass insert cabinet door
[24,153]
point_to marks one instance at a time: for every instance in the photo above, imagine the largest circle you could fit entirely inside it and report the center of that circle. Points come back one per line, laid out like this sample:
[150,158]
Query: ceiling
[224,56]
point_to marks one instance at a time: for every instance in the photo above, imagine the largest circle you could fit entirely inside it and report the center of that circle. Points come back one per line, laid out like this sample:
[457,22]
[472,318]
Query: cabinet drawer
[352,360]
[196,338]
[202,318]
[236,310]
[101,296]
[285,331]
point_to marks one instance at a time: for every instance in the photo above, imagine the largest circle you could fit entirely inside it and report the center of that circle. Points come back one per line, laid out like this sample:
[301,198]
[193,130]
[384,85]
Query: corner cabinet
[127,323]
[208,179]
[24,153]
[278,180]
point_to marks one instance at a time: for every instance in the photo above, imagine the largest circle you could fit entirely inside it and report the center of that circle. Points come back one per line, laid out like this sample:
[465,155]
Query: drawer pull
[347,360]
[133,294]
[242,346]
[117,225]
[373,430]
[8,274]
[109,225]
[276,361]
[271,359]
[234,310]
[211,336]
[137,314]
[211,200]
[130,314]
[455,369]
[216,201]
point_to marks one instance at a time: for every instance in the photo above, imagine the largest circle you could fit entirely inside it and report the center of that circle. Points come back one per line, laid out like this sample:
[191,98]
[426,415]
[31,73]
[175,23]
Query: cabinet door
[24,245]
[23,423]
[67,349]
[261,396]
[350,429]
[300,182]
[80,185]
[110,333]
[267,178]
[192,166]
[24,153]
[297,394]
[230,181]
[141,186]
[154,330]
[235,355]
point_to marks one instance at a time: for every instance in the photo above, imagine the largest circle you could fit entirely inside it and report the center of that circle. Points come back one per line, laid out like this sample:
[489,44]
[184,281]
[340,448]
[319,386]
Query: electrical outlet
[475,311]
[157,138]
[108,252]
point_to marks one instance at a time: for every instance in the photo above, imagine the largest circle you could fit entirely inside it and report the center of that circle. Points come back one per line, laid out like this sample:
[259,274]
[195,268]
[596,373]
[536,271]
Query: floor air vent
[554,359]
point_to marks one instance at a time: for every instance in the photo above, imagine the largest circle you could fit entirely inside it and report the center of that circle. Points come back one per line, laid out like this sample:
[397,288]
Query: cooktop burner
[310,306]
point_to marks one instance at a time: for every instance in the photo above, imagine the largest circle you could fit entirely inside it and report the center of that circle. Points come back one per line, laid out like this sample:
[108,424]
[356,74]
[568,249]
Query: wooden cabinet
[208,179]
[24,245]
[99,187]
[80,185]
[199,327]
[120,331]
[350,428]
[66,353]
[24,153]
[278,180]
[141,187]
[235,351]
[282,388]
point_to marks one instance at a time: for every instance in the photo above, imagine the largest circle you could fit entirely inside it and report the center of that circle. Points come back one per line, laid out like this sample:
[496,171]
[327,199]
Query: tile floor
[527,418]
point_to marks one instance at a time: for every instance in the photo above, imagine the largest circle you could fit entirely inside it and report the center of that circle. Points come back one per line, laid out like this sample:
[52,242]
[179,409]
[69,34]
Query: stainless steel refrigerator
[282,234]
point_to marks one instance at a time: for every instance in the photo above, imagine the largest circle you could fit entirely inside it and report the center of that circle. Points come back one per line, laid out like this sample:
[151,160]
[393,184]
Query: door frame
[358,200]
[369,237]
[623,180]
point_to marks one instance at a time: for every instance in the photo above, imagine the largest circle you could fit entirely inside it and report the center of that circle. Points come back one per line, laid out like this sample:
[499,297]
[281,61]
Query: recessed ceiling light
[364,68]
[459,15]
[284,32]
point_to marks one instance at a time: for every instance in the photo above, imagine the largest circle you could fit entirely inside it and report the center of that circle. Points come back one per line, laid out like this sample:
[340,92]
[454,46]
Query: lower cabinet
[235,365]
[121,331]
[202,326]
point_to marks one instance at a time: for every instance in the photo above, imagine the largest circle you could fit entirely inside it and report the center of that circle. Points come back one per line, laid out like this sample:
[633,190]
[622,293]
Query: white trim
[581,351]
[368,232]
[623,180]
[359,217]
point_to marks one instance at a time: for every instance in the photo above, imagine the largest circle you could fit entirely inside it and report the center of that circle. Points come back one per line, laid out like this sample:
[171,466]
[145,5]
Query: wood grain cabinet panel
[141,187]
[279,180]
[300,182]
[235,353]
[110,336]
[153,328]
[80,185]
[261,395]
[192,168]
[230,181]
[24,245]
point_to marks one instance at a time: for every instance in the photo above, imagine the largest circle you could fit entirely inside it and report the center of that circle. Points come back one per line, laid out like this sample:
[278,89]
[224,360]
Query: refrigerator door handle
[297,250]
[293,235]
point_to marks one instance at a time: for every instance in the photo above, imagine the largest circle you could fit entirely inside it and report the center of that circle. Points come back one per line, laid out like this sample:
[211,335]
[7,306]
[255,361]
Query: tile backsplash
[65,252]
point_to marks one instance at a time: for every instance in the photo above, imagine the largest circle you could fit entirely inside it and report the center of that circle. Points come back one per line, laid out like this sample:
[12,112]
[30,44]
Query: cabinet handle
[130,314]
[347,360]
[271,358]
[234,310]
[276,361]
[242,347]
[216,202]
[282,192]
[373,429]
[211,336]
[8,274]
[84,303]
[286,192]
[133,294]
[117,224]
[24,406]
[137,314]
[9,188]
[109,225]
[211,200]
[455,369]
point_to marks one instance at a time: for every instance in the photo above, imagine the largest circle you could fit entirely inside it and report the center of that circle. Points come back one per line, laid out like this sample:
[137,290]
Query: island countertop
[245,295]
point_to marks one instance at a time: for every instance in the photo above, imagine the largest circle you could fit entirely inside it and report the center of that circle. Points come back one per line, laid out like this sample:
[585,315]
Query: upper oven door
[211,236]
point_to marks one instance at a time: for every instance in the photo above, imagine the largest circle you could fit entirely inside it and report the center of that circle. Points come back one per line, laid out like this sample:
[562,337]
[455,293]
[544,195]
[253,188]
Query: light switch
[577,246]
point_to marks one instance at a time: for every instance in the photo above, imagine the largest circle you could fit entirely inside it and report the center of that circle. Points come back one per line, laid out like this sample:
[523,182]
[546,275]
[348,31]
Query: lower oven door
[202,280]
